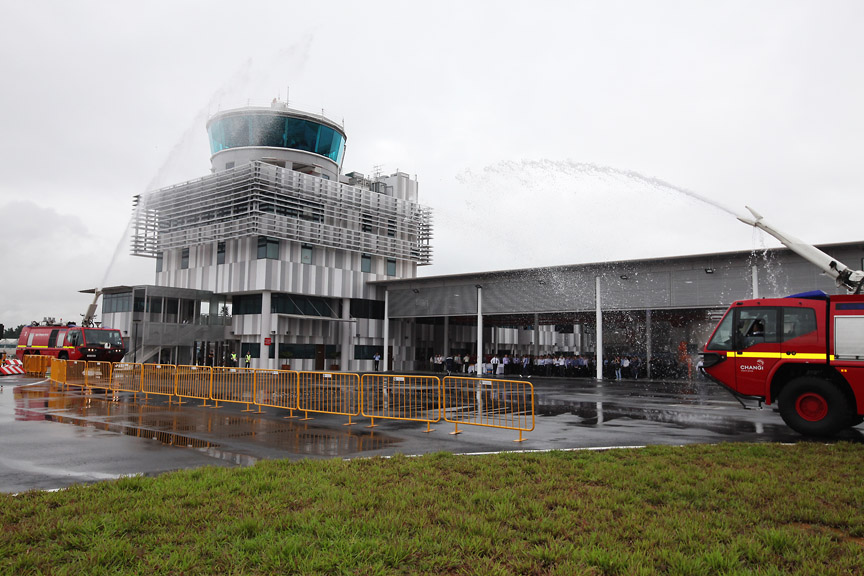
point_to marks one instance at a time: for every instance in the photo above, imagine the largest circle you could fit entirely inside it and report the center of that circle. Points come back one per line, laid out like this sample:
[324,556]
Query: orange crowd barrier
[492,403]
[36,364]
[328,393]
[276,389]
[193,382]
[126,377]
[158,379]
[402,397]
[75,373]
[235,385]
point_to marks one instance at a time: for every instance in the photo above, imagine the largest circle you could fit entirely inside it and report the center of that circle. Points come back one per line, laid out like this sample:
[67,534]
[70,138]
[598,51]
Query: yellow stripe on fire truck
[796,356]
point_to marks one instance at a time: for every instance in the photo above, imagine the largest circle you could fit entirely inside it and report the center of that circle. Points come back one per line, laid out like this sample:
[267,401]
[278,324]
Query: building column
[479,366]
[754,274]
[648,350]
[348,331]
[386,355]
[536,351]
[446,336]
[264,360]
[599,339]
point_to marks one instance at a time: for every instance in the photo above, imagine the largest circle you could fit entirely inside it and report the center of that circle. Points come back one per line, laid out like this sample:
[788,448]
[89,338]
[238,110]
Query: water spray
[845,276]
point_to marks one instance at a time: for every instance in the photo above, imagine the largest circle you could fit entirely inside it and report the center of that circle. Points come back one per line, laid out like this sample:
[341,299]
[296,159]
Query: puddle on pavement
[219,433]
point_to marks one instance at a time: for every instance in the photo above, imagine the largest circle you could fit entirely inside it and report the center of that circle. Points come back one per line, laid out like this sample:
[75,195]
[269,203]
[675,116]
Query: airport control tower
[285,243]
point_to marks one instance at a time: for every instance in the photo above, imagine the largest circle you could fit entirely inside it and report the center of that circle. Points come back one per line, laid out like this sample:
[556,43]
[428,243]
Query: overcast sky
[541,133]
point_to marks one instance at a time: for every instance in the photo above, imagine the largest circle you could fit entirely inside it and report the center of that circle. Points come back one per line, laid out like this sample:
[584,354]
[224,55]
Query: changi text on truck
[805,351]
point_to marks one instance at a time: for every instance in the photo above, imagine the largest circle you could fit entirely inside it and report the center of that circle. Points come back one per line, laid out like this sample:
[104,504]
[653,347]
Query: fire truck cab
[806,352]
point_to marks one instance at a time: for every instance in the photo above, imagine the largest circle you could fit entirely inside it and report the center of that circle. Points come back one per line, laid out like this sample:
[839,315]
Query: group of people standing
[544,365]
[625,367]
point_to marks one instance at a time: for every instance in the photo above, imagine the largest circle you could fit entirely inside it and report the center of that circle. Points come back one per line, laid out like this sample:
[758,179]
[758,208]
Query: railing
[402,397]
[37,365]
[328,393]
[505,404]
[489,402]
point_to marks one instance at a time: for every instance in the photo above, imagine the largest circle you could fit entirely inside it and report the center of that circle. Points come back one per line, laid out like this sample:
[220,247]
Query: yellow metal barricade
[98,374]
[328,393]
[401,397]
[158,379]
[492,403]
[58,370]
[193,382]
[233,385]
[75,373]
[126,377]
[36,365]
[276,389]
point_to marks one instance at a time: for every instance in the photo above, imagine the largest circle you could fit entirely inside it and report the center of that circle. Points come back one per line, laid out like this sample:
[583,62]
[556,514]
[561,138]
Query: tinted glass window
[268,248]
[757,326]
[101,337]
[723,335]
[799,322]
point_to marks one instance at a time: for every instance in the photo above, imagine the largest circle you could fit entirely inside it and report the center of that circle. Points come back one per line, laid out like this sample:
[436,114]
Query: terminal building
[279,256]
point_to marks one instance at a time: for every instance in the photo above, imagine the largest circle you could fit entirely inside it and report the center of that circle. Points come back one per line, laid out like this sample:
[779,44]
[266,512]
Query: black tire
[814,407]
[62,356]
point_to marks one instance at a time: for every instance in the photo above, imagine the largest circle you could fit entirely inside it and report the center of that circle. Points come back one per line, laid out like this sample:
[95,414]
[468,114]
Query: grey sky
[535,130]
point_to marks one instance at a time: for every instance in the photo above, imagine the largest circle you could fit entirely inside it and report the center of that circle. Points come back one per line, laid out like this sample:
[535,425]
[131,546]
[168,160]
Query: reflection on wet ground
[691,405]
[225,433]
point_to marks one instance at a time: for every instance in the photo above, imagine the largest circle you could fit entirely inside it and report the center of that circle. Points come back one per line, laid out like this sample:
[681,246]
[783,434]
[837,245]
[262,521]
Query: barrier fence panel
[58,370]
[98,374]
[75,373]
[126,377]
[36,364]
[276,389]
[492,403]
[328,393]
[233,385]
[401,397]
[193,382]
[158,379]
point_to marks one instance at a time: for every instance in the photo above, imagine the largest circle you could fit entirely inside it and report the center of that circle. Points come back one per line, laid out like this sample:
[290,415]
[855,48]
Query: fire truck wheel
[814,407]
[62,356]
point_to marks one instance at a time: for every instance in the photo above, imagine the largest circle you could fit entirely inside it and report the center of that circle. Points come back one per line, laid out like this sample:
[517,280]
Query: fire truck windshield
[101,337]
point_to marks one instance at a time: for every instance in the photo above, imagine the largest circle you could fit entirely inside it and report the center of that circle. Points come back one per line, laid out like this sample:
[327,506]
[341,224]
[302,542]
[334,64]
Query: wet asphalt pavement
[51,438]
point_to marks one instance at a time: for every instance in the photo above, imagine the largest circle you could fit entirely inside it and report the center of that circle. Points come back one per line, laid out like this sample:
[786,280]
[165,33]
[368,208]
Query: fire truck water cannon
[845,276]
[91,310]
[804,352]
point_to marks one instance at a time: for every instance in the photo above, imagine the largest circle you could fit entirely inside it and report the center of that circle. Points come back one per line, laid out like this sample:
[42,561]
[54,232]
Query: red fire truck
[71,342]
[805,351]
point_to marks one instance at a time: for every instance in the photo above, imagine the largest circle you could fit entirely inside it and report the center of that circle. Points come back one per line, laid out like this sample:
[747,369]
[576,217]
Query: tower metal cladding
[286,241]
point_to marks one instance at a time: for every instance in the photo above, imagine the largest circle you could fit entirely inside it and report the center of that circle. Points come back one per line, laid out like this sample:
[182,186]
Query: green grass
[726,509]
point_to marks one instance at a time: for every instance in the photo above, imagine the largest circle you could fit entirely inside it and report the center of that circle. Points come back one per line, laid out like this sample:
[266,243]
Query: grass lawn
[724,509]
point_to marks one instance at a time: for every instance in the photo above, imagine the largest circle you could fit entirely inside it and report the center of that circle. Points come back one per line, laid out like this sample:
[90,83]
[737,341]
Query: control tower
[285,241]
[278,135]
